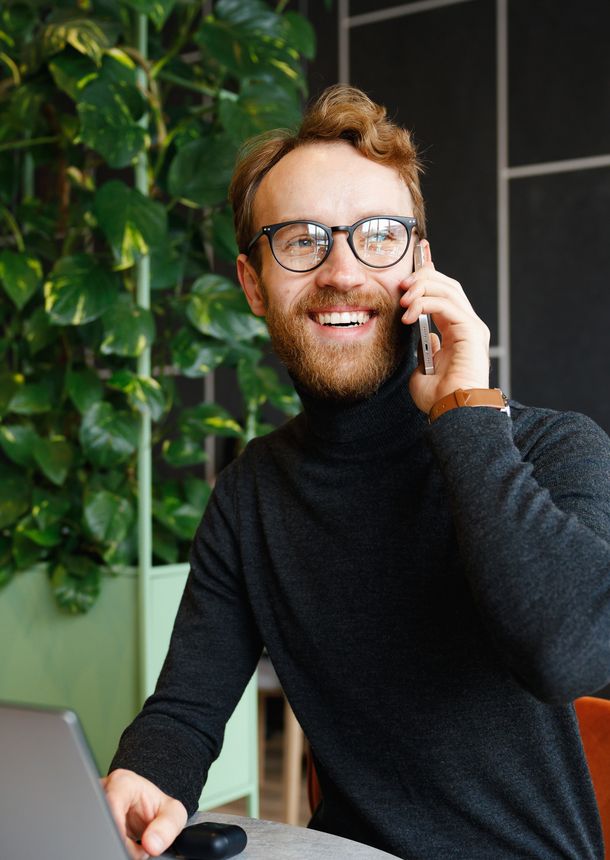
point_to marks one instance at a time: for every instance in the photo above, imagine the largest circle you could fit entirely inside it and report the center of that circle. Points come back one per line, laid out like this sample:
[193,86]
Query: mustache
[328,298]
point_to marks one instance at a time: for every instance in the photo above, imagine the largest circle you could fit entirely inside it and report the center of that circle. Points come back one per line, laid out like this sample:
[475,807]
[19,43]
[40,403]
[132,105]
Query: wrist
[492,398]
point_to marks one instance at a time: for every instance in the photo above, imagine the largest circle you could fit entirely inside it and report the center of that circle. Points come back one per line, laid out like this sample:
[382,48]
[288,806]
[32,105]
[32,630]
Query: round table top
[270,840]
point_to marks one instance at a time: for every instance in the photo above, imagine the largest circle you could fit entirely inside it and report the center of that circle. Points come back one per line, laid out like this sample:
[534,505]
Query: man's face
[333,184]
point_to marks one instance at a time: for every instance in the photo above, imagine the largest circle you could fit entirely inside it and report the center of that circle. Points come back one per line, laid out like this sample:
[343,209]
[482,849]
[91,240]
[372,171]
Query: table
[270,840]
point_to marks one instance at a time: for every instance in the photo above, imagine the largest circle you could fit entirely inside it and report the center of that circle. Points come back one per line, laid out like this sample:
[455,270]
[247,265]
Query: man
[431,580]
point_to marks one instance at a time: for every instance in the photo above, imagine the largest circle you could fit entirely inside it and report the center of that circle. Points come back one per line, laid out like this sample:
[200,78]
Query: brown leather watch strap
[492,397]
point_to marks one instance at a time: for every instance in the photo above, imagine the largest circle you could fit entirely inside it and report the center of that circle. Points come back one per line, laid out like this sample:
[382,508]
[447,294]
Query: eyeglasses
[301,246]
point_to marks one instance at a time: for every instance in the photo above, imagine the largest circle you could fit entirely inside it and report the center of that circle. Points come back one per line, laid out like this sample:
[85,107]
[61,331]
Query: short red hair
[340,113]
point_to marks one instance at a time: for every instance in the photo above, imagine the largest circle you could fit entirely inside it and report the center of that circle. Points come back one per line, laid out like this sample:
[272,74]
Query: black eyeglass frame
[270,230]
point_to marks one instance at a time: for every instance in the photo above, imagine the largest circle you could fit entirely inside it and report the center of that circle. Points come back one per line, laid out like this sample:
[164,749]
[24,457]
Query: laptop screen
[52,806]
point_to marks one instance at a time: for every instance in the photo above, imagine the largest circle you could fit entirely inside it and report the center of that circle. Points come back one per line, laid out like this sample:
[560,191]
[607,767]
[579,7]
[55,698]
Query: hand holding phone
[421,256]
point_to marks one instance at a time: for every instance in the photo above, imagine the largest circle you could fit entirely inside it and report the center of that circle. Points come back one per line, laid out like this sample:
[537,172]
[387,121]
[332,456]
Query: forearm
[213,652]
[534,541]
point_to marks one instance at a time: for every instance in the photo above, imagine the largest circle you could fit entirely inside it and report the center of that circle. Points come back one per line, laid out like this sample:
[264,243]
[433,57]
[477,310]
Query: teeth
[344,318]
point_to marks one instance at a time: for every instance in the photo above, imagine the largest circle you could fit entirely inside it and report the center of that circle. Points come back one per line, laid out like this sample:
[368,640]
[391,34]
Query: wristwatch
[492,397]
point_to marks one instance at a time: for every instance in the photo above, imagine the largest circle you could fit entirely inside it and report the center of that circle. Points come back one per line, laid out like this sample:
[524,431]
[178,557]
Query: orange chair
[594,722]
[314,792]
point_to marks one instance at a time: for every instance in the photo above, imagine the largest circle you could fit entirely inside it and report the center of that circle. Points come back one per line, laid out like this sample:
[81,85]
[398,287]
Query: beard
[339,371]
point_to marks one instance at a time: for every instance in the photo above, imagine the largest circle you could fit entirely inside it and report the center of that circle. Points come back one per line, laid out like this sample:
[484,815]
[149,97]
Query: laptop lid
[52,806]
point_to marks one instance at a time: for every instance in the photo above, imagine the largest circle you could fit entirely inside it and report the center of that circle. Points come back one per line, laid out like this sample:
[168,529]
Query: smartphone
[419,259]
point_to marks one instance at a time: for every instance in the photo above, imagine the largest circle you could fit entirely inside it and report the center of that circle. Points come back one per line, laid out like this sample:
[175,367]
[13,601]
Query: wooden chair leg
[293,758]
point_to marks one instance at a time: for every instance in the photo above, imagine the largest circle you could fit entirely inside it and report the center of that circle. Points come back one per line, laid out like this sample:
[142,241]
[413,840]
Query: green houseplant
[83,100]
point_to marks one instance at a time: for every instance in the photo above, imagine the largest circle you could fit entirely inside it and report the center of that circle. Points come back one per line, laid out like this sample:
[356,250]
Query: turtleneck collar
[383,413]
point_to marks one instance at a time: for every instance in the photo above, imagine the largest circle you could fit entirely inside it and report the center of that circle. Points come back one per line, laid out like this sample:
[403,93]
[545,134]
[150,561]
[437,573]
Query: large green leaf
[299,33]
[38,331]
[166,266]
[262,105]
[25,551]
[47,537]
[108,516]
[223,234]
[54,456]
[201,171]
[76,583]
[79,290]
[238,34]
[20,275]
[165,545]
[128,329]
[50,506]
[197,492]
[142,392]
[17,442]
[248,39]
[177,515]
[33,398]
[219,309]
[250,16]
[209,419]
[84,388]
[109,108]
[108,436]
[184,451]
[10,383]
[14,496]
[72,72]
[133,223]
[196,357]
[82,32]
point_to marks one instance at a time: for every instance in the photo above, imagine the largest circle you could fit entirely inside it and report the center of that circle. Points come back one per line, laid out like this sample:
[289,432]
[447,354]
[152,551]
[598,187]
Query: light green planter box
[90,663]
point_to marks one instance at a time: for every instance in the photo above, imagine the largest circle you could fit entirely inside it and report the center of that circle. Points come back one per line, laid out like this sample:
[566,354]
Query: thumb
[164,828]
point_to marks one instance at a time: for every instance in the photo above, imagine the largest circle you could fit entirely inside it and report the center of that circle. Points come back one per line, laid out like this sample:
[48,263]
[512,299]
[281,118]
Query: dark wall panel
[560,293]
[435,72]
[357,7]
[559,59]
[323,70]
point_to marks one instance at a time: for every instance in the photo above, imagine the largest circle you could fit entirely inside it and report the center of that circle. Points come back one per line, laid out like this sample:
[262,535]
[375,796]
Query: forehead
[332,183]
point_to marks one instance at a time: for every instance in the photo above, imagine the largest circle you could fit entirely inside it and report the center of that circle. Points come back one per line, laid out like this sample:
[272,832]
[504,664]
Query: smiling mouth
[343,319]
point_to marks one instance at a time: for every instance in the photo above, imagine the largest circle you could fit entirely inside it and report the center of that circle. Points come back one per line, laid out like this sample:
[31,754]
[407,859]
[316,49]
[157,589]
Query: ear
[250,284]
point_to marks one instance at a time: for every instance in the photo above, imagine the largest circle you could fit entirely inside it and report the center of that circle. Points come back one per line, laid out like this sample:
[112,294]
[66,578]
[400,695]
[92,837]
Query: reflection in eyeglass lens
[380,237]
[300,241]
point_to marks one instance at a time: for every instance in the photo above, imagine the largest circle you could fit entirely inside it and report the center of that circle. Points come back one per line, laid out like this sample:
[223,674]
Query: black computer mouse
[209,841]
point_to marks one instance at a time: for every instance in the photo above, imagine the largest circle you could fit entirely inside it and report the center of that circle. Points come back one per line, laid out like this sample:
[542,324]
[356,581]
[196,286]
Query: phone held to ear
[421,256]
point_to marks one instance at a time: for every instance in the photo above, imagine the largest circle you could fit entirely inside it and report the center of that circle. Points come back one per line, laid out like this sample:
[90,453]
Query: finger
[434,284]
[448,311]
[165,827]
[435,343]
[135,851]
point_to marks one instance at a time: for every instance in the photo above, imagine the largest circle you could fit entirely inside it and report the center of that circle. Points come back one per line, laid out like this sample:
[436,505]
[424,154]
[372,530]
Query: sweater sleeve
[531,507]
[213,652]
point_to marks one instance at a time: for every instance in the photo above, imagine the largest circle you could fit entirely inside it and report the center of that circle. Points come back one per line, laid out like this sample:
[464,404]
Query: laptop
[52,806]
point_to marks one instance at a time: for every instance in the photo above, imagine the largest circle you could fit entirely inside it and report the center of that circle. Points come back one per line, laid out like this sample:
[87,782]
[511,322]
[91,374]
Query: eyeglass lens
[377,242]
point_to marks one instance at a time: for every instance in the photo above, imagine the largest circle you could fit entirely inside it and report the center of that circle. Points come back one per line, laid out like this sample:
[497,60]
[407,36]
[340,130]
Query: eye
[300,240]
[380,236]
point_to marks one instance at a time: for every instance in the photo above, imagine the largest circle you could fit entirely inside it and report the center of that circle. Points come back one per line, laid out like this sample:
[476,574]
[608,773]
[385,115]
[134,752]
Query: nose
[341,269]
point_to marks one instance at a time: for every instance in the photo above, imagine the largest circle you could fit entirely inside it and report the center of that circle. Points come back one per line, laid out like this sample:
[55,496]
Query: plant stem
[182,38]
[32,141]
[14,228]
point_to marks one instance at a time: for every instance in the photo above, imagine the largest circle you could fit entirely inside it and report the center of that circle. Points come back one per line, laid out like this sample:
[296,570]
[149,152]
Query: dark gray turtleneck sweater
[432,598]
